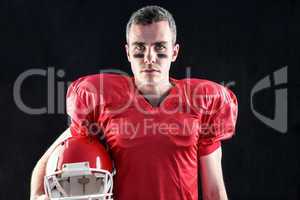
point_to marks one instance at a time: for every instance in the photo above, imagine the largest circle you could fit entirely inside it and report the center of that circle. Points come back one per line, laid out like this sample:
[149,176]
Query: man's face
[150,51]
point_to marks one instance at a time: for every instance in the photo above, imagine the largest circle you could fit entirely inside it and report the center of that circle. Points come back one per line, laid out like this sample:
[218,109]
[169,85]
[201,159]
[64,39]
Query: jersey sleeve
[82,107]
[218,122]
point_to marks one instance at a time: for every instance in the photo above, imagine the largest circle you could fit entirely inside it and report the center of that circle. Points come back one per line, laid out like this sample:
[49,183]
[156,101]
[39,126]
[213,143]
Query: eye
[139,48]
[160,47]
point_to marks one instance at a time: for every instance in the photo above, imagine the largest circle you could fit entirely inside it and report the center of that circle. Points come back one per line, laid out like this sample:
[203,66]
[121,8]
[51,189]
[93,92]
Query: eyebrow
[156,43]
[138,43]
[161,42]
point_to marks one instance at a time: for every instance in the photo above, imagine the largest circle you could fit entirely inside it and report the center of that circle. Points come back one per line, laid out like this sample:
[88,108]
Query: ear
[175,52]
[127,52]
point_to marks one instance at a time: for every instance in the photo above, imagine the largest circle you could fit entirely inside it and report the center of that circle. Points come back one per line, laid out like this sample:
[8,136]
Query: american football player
[163,132]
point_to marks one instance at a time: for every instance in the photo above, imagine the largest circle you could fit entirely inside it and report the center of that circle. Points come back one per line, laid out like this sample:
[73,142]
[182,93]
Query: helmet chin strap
[109,183]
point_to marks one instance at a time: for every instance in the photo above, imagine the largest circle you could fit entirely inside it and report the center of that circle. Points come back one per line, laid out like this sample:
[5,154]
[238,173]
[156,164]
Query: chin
[151,80]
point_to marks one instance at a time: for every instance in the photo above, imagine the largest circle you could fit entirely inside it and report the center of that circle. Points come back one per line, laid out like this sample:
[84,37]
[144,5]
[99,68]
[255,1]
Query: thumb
[43,197]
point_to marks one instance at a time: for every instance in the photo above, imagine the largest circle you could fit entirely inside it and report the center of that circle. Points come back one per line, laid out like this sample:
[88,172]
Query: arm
[213,187]
[37,178]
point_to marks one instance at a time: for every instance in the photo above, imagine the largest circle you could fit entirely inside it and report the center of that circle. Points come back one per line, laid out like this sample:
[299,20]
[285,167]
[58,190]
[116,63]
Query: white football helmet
[79,169]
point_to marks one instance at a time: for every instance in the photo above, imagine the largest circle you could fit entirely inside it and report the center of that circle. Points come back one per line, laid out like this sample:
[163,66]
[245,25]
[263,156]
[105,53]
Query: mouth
[150,71]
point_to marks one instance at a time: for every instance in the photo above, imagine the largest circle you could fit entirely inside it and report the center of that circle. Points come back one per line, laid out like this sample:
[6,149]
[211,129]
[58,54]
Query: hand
[41,197]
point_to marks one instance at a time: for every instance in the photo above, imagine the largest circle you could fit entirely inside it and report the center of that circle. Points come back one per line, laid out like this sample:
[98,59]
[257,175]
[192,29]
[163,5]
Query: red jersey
[155,149]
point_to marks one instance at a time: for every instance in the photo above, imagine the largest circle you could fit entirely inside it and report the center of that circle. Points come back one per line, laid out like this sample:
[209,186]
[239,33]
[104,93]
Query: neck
[153,88]
[154,91]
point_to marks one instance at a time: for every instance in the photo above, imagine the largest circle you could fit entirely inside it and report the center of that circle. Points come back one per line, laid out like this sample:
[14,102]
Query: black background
[240,41]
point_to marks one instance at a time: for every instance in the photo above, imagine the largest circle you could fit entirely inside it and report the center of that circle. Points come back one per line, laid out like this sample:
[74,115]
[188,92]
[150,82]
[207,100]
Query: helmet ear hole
[81,168]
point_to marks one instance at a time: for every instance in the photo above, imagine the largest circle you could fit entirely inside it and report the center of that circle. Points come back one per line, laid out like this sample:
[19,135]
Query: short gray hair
[150,14]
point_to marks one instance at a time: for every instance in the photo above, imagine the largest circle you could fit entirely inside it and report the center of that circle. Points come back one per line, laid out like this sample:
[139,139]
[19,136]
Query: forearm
[39,171]
[213,187]
[37,178]
[219,194]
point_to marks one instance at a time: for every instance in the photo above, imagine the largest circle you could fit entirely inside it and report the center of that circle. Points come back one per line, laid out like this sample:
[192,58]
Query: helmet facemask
[79,181]
[81,169]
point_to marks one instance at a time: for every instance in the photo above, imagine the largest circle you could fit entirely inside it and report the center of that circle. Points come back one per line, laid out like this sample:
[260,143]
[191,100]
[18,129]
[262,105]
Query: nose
[150,56]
